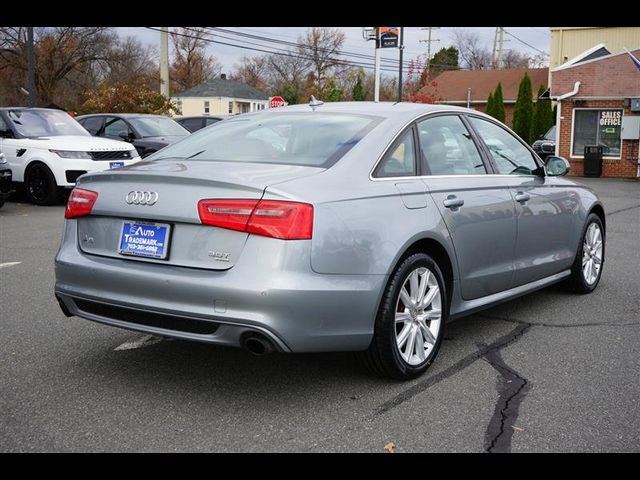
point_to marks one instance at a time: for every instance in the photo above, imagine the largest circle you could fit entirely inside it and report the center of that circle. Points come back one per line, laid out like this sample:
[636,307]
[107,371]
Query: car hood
[75,143]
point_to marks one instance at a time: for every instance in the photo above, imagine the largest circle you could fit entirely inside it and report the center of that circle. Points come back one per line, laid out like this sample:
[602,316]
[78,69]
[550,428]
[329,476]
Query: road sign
[276,102]
[389,37]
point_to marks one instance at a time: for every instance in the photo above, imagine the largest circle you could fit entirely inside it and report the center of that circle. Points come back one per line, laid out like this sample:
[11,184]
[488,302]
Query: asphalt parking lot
[551,371]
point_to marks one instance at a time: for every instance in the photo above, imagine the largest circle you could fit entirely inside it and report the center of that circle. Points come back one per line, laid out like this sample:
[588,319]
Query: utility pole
[401,46]
[164,61]
[376,88]
[31,68]
[500,46]
[428,42]
[495,43]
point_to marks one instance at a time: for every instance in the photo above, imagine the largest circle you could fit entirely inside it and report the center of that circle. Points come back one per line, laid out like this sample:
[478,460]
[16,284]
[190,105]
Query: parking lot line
[9,264]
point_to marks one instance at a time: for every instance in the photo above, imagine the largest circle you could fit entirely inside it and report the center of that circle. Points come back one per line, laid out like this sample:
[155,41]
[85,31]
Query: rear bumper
[271,290]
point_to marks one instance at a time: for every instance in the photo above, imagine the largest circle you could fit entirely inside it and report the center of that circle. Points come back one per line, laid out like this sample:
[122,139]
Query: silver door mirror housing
[556,167]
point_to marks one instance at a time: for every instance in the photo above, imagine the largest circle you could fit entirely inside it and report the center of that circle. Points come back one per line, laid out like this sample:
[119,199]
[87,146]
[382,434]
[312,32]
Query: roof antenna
[315,103]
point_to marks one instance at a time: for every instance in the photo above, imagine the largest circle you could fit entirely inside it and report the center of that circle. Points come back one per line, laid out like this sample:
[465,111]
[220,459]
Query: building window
[230,107]
[597,127]
[206,106]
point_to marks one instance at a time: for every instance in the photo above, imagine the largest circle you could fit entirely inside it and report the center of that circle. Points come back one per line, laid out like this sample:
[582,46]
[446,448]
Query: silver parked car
[346,226]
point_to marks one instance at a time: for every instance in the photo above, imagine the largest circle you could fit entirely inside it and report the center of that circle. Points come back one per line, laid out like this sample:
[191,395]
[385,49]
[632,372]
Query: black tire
[383,357]
[577,282]
[40,185]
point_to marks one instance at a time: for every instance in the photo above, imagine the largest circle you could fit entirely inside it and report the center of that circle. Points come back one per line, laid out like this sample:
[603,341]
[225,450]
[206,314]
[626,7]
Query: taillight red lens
[80,203]
[269,218]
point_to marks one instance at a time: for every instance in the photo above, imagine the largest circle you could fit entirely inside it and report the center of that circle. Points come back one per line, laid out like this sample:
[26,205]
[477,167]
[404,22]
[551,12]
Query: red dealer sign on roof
[277,102]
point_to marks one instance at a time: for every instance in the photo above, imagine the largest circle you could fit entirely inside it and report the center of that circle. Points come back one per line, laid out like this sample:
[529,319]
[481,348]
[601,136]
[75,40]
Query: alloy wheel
[418,316]
[592,254]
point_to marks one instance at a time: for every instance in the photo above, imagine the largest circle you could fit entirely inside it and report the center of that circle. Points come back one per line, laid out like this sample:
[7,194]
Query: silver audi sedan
[336,227]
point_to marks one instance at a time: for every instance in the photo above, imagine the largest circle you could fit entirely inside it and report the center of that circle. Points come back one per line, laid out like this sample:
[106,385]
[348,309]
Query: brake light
[80,203]
[269,218]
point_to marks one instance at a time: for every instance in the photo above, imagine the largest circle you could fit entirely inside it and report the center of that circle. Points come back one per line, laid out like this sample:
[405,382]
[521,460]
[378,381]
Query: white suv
[47,151]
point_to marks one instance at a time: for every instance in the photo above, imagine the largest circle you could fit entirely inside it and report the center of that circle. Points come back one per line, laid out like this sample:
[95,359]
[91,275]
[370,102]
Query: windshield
[551,134]
[157,127]
[45,123]
[312,139]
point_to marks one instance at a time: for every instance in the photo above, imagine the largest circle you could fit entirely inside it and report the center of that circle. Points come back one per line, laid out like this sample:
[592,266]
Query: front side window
[44,123]
[400,161]
[312,139]
[597,128]
[116,128]
[448,148]
[510,156]
[92,124]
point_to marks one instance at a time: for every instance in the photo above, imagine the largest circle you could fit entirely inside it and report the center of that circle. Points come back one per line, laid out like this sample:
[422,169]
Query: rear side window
[447,147]
[192,124]
[115,126]
[295,138]
[400,161]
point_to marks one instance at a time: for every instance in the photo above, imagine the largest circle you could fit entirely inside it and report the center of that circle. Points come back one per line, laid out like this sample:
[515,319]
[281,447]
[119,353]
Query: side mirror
[557,167]
[124,135]
[548,147]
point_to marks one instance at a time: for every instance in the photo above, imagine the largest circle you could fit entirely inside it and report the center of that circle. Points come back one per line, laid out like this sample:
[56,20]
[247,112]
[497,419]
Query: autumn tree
[134,96]
[321,46]
[191,65]
[523,111]
[68,60]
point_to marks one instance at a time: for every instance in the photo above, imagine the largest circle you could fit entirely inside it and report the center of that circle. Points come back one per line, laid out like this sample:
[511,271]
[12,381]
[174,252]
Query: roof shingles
[452,85]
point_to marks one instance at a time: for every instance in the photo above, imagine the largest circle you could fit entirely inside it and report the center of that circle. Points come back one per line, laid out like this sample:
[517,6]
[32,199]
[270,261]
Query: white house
[220,96]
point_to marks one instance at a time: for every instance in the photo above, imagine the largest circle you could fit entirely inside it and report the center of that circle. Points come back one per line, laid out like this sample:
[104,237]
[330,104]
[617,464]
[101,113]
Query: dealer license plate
[142,239]
[116,164]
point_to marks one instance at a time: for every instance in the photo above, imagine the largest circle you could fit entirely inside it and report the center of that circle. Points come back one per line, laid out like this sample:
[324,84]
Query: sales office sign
[610,120]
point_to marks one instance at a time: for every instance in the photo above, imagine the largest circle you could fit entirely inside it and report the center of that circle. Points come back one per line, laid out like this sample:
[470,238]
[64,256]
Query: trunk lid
[179,186]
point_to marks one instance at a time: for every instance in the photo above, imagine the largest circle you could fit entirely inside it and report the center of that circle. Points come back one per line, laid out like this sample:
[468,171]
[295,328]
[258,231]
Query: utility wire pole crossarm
[428,41]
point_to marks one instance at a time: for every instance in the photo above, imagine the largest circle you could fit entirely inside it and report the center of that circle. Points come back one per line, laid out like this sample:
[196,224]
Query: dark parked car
[194,124]
[545,146]
[5,180]
[148,133]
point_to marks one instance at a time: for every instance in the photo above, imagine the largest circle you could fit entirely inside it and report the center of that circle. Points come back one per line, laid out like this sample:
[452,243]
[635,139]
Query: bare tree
[129,59]
[473,54]
[253,71]
[515,59]
[322,46]
[191,65]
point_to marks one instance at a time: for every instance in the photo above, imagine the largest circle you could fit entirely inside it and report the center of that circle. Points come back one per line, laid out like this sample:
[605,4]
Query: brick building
[456,87]
[596,106]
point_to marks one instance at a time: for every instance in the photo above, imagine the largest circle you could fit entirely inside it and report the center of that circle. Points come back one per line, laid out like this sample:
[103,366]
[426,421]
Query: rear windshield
[295,138]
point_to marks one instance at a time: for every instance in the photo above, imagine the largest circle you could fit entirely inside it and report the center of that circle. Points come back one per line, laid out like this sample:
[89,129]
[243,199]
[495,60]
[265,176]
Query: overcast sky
[537,37]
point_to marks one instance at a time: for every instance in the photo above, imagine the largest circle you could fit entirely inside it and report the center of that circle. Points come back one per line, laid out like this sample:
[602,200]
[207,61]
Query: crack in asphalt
[512,389]
[551,325]
[622,210]
[423,385]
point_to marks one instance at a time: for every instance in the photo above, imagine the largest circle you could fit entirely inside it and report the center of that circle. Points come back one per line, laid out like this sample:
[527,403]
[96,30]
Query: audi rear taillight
[269,218]
[80,203]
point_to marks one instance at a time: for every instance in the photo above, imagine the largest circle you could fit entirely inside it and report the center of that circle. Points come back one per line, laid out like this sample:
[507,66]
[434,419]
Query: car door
[477,207]
[545,207]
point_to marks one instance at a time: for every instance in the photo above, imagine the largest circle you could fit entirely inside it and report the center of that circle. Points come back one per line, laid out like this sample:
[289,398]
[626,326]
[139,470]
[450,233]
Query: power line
[525,43]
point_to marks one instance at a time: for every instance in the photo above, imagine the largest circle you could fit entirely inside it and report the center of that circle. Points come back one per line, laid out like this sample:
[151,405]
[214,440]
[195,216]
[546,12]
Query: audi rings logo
[137,197]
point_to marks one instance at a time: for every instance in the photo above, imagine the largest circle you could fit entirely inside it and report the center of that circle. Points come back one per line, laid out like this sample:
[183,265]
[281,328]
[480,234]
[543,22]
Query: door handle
[522,197]
[453,202]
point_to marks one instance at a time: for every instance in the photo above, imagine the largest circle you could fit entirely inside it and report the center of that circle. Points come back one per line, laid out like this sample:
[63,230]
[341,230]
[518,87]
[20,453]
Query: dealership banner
[388,36]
